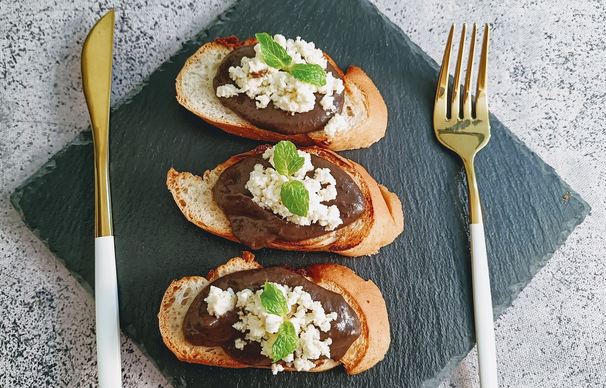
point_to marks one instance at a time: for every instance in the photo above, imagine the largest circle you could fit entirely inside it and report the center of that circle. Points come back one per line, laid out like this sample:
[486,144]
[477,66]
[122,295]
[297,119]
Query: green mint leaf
[277,57]
[286,158]
[273,54]
[274,300]
[310,73]
[295,197]
[286,343]
[295,164]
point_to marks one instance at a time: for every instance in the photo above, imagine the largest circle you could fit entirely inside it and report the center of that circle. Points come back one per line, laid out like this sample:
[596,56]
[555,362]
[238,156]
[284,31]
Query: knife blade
[97,55]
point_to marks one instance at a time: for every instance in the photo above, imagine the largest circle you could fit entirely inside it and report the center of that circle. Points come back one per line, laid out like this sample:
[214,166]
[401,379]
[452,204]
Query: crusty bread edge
[183,291]
[381,223]
[367,301]
[370,129]
[173,179]
[363,296]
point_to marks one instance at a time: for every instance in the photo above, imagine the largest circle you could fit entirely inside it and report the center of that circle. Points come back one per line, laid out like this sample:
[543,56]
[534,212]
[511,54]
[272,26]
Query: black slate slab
[424,274]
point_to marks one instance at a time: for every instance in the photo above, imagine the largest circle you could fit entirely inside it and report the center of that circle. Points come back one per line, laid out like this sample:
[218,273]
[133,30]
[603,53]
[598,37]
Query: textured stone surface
[545,85]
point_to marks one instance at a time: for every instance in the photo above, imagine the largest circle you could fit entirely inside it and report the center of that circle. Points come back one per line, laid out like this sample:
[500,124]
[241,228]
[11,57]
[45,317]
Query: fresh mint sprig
[293,194]
[286,342]
[277,57]
[309,72]
[295,197]
[286,158]
[273,54]
[273,300]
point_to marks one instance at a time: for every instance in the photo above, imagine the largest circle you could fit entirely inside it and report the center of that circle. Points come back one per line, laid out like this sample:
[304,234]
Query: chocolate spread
[203,329]
[272,118]
[256,227]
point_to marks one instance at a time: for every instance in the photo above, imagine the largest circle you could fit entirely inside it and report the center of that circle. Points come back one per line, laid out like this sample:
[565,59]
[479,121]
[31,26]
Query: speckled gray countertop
[546,84]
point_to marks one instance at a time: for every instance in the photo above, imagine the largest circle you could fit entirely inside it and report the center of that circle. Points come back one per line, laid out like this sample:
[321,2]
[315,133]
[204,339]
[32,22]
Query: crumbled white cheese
[266,84]
[219,302]
[227,91]
[303,365]
[276,368]
[239,343]
[265,185]
[307,316]
[273,322]
[337,123]
[327,103]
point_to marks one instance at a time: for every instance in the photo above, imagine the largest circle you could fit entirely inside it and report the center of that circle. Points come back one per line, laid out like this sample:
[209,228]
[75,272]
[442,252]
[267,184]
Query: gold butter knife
[97,56]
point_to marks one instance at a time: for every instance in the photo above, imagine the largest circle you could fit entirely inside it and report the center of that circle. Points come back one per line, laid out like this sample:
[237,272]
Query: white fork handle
[482,308]
[106,310]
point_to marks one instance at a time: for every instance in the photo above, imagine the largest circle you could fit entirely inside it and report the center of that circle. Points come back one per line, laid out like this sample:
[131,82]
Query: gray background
[546,84]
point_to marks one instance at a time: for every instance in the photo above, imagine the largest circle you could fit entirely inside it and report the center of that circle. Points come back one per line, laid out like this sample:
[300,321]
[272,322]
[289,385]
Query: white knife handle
[106,310]
[482,308]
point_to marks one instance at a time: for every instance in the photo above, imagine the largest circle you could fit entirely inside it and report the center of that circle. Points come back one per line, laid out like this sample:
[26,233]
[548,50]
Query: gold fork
[466,131]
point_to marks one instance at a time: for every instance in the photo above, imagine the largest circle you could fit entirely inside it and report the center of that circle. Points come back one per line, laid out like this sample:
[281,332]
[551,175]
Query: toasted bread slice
[364,108]
[363,296]
[379,225]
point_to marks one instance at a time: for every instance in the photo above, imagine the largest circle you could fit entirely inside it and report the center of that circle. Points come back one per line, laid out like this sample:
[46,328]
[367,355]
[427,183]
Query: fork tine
[442,92]
[456,86]
[481,97]
[467,88]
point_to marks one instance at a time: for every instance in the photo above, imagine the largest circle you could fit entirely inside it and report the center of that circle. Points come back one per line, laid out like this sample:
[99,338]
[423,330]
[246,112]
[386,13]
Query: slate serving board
[424,274]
